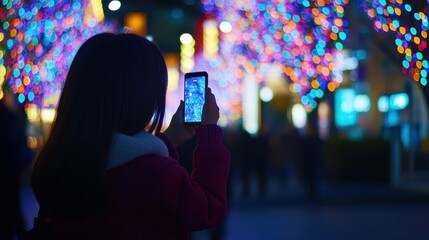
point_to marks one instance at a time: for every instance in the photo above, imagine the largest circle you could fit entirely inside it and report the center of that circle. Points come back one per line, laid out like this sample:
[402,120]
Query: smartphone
[195,91]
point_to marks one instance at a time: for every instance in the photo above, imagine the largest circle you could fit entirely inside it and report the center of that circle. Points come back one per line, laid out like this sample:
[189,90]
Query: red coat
[153,197]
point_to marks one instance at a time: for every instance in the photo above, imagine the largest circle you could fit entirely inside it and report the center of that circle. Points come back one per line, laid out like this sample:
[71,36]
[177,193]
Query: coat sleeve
[198,201]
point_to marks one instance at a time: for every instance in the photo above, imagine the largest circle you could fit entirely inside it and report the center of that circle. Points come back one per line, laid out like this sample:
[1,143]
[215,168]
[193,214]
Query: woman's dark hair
[116,84]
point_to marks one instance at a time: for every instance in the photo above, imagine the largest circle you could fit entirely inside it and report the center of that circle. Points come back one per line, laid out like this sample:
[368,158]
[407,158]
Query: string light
[40,39]
[306,37]
[410,27]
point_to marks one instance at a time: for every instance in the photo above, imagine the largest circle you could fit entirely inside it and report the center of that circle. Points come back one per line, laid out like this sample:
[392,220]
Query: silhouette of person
[15,156]
[107,171]
[311,152]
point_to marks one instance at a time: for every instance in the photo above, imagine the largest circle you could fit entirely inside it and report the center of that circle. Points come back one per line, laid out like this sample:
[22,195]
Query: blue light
[398,42]
[296,18]
[399,101]
[408,7]
[30,96]
[16,72]
[362,103]
[21,98]
[305,100]
[325,10]
[345,115]
[417,16]
[405,64]
[306,3]
[383,104]
[18,82]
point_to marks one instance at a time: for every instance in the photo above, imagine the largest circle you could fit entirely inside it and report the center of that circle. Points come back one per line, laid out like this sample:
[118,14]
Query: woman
[102,174]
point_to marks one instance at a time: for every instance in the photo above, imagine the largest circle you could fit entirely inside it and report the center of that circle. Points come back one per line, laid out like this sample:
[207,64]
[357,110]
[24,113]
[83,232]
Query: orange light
[315,84]
[416,76]
[371,13]
[340,9]
[338,22]
[269,50]
[292,25]
[424,34]
[315,11]
[398,11]
[275,15]
[318,21]
[13,32]
[316,59]
[321,3]
[401,49]
[309,38]
[20,36]
[331,87]
[334,36]
[26,80]
[408,52]
[325,71]
[419,64]
[16,22]
[417,40]
[289,71]
[136,22]
[21,88]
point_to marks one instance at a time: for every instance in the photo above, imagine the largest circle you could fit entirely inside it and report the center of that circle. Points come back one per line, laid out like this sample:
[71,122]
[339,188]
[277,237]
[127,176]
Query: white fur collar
[126,148]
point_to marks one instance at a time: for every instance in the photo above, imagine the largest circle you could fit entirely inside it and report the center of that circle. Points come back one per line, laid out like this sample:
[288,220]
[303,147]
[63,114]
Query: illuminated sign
[397,101]
[345,114]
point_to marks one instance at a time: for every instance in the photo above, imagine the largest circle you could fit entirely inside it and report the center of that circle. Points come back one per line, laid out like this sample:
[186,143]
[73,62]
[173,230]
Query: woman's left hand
[177,132]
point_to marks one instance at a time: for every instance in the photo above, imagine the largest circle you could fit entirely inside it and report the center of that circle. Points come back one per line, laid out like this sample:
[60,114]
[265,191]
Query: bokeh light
[306,37]
[39,40]
[410,28]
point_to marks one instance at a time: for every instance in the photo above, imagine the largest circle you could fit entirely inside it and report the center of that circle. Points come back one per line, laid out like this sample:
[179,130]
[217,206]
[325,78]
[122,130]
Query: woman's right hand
[210,109]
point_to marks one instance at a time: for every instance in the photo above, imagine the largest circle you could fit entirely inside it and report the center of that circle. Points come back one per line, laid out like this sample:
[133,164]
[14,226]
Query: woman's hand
[210,109]
[177,132]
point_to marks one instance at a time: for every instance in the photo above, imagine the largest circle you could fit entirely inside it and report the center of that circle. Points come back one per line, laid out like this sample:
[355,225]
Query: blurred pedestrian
[311,158]
[107,171]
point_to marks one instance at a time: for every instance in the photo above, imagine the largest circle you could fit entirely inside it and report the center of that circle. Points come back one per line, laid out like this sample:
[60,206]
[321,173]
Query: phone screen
[195,88]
